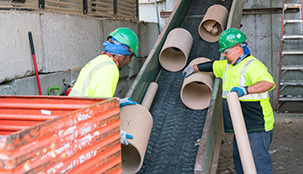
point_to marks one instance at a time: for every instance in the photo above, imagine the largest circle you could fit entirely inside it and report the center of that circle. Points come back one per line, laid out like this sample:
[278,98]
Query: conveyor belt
[176,128]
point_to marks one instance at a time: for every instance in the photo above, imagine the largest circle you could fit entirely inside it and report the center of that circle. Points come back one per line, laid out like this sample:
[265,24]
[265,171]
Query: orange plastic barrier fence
[51,134]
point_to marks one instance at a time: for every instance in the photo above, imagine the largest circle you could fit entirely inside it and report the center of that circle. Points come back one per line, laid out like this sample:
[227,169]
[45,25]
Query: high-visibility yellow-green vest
[256,108]
[98,78]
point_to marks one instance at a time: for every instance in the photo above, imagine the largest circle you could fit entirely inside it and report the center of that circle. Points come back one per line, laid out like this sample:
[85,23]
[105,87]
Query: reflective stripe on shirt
[96,68]
[243,71]
[88,79]
[242,84]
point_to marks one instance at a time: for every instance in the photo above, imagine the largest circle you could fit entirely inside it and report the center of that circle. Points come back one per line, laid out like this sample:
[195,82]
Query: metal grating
[19,4]
[73,6]
[101,8]
[121,9]
[127,8]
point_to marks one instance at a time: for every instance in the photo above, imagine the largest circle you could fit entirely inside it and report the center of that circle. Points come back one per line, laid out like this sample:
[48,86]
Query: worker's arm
[206,67]
[259,87]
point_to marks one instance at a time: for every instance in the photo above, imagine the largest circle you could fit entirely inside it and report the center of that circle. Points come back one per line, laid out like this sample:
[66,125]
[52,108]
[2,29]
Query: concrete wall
[264,32]
[63,44]
[259,30]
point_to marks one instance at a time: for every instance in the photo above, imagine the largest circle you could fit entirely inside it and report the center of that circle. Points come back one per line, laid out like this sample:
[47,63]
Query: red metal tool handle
[34,60]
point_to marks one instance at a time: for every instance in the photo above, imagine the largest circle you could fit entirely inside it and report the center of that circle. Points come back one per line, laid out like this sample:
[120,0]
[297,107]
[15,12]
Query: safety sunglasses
[227,51]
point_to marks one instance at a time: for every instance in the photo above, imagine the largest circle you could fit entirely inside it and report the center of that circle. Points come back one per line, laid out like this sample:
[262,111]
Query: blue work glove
[124,136]
[240,90]
[188,71]
[126,101]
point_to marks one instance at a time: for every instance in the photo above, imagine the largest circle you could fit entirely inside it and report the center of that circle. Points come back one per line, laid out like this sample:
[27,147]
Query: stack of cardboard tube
[196,89]
[195,93]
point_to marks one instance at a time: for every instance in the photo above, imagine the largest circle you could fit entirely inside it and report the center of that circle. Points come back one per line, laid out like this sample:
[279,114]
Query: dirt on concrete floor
[286,148]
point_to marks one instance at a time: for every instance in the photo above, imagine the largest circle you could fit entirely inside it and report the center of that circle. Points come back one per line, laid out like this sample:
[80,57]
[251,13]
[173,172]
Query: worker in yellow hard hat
[99,77]
[248,77]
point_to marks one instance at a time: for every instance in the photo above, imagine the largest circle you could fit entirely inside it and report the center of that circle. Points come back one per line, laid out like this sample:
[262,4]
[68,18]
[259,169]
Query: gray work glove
[124,136]
[188,71]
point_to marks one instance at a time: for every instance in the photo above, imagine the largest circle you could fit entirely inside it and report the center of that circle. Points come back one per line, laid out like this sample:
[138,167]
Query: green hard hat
[230,37]
[126,36]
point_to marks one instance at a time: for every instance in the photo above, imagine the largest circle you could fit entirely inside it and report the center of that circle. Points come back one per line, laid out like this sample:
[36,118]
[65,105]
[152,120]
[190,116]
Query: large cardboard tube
[174,54]
[197,89]
[213,23]
[246,156]
[137,121]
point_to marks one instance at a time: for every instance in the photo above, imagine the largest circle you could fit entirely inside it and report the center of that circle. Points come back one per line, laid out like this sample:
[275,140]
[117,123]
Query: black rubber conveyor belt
[176,128]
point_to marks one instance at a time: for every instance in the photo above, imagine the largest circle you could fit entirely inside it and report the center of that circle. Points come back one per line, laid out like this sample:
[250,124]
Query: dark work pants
[259,143]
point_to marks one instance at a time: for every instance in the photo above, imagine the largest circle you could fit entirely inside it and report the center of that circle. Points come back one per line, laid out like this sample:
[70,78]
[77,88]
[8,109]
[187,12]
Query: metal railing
[119,9]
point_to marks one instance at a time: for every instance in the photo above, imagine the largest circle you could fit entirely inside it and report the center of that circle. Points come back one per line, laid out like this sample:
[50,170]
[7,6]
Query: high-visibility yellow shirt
[256,108]
[98,78]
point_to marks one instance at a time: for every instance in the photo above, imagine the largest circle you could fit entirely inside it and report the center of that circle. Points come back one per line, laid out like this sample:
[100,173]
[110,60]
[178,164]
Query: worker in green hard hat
[248,77]
[99,77]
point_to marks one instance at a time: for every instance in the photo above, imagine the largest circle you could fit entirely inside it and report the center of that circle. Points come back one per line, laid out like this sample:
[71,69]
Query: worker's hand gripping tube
[188,71]
[241,91]
[126,101]
[197,88]
[124,136]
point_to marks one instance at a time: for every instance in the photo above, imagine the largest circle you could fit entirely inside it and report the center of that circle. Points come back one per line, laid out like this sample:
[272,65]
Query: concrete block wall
[63,44]
[15,54]
[69,40]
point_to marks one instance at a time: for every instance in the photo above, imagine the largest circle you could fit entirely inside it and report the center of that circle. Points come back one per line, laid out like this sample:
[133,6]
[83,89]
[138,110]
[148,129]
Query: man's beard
[228,60]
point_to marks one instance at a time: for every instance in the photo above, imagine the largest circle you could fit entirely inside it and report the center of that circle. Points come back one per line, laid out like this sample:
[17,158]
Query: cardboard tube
[137,121]
[174,54]
[149,95]
[246,156]
[197,89]
[213,23]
